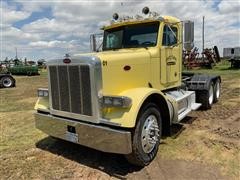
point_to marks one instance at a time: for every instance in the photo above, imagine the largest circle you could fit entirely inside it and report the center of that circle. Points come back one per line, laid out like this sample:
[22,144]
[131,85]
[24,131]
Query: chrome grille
[71,89]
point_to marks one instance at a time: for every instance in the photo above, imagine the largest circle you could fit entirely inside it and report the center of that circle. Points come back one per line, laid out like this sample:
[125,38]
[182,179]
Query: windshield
[141,35]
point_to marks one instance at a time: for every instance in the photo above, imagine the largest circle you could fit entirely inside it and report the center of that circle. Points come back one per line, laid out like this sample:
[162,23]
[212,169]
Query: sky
[44,29]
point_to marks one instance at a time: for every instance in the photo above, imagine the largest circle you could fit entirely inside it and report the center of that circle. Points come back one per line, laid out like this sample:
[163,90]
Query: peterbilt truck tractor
[124,98]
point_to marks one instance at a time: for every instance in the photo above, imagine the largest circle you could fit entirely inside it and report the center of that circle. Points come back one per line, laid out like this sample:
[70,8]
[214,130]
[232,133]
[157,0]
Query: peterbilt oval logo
[67,60]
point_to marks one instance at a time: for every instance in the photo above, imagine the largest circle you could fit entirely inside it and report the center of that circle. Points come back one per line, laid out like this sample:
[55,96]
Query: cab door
[170,54]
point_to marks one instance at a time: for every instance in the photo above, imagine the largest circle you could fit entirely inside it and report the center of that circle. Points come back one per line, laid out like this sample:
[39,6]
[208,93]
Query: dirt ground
[204,146]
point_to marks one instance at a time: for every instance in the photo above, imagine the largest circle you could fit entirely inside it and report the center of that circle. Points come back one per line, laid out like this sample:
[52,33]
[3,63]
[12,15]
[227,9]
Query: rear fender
[201,81]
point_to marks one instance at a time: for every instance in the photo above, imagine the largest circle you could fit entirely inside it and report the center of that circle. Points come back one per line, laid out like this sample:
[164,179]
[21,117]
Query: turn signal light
[42,92]
[116,101]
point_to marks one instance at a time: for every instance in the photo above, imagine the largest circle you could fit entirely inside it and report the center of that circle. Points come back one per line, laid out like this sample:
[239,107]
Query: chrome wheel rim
[150,133]
[210,99]
[217,90]
[7,82]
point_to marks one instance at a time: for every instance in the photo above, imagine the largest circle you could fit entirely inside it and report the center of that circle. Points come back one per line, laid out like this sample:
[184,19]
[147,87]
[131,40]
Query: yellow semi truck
[123,98]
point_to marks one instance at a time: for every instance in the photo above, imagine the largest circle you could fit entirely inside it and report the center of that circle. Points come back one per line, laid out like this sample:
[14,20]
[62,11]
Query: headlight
[116,101]
[42,92]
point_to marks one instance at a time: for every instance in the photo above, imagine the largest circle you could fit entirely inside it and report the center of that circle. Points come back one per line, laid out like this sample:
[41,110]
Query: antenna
[203,37]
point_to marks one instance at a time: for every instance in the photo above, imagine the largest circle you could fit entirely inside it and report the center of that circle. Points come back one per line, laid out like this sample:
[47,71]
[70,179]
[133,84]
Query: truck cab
[123,98]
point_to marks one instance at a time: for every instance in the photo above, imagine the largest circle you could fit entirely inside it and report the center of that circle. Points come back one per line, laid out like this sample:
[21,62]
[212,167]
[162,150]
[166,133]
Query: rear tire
[7,82]
[146,136]
[217,91]
[206,97]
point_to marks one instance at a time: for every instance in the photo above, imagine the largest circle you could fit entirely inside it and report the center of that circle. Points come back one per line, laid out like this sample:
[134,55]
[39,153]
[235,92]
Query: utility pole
[16,53]
[203,37]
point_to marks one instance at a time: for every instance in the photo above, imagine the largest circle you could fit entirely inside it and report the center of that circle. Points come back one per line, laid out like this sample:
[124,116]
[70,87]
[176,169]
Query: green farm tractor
[23,70]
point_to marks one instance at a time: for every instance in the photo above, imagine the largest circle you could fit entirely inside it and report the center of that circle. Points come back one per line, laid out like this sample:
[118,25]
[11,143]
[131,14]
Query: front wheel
[146,136]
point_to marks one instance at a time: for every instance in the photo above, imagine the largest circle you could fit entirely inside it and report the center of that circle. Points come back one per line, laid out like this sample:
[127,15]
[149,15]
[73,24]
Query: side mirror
[96,41]
[188,35]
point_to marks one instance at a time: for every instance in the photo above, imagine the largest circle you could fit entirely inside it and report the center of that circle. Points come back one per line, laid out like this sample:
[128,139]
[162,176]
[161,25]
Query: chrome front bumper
[98,137]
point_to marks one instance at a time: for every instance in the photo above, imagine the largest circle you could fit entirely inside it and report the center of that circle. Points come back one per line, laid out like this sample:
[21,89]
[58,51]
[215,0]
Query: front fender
[126,117]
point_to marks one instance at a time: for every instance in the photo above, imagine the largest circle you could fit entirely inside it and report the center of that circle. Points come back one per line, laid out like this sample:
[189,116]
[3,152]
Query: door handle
[171,63]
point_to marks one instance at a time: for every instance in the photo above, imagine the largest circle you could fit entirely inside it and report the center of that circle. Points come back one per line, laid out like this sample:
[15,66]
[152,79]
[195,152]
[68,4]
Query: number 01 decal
[104,63]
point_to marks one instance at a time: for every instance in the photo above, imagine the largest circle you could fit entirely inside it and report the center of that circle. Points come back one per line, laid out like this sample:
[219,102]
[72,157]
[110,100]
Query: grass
[16,113]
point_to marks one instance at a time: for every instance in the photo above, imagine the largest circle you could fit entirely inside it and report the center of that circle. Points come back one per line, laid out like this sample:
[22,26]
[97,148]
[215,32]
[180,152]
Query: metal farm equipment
[24,70]
[210,56]
[190,58]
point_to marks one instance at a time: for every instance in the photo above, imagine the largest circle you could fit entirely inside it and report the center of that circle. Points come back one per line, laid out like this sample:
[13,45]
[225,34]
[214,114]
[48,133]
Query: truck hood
[120,55]
[116,78]
[124,69]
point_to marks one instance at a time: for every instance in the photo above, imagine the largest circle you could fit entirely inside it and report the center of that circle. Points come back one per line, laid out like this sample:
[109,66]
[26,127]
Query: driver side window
[169,36]
[114,39]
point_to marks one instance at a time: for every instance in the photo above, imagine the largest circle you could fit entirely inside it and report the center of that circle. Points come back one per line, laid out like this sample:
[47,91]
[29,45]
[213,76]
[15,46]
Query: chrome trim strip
[59,99]
[49,89]
[80,84]
[69,92]
[102,138]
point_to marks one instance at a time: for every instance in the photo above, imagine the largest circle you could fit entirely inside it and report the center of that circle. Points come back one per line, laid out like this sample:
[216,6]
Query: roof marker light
[115,16]
[145,10]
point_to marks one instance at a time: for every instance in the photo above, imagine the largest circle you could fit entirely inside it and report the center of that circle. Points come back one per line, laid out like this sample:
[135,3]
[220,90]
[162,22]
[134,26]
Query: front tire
[146,136]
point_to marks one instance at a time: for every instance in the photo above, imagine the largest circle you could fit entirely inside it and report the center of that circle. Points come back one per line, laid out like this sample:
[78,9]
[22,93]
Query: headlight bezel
[116,101]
